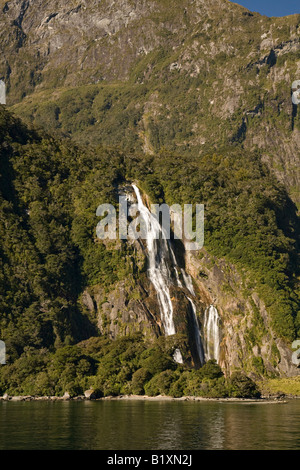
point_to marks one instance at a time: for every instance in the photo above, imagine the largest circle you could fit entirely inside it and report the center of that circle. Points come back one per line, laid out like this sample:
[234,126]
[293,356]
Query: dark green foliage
[43,373]
[139,379]
[178,387]
[160,384]
[156,361]
[114,367]
[50,191]
[243,386]
[258,365]
[211,370]
[49,195]
[208,381]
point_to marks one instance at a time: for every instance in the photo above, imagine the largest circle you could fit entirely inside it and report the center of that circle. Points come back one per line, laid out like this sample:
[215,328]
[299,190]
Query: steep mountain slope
[201,74]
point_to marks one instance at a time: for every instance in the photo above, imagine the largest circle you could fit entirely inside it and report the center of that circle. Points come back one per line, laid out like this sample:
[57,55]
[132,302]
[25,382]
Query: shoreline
[265,400]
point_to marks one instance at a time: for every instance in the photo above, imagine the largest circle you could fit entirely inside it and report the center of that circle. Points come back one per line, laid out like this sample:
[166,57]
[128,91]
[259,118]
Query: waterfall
[160,257]
[159,251]
[212,334]
[197,333]
[188,282]
[189,285]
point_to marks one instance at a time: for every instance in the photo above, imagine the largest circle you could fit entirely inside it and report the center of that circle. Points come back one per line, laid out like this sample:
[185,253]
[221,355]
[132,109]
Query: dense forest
[50,190]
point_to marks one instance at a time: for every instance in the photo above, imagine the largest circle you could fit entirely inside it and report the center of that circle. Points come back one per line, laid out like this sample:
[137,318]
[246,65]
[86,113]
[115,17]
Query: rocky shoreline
[90,396]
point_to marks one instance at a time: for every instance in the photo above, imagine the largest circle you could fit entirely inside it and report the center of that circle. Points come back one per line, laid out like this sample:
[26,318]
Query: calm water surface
[146,425]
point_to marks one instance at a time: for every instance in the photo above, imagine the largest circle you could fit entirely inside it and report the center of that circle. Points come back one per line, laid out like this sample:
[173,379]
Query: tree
[241,386]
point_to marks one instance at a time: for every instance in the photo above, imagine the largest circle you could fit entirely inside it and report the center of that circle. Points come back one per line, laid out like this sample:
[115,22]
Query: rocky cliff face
[128,307]
[199,75]
[99,40]
[246,339]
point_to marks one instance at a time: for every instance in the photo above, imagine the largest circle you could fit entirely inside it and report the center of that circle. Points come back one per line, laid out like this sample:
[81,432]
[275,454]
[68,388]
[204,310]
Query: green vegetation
[249,219]
[280,386]
[126,366]
[50,191]
[49,195]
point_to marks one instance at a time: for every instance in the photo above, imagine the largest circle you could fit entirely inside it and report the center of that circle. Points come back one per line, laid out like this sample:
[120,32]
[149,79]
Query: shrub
[139,379]
[211,370]
[156,361]
[160,384]
[241,386]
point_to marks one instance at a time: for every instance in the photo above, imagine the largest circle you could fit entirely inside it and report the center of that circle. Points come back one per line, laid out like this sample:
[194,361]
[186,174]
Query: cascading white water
[188,282]
[160,256]
[159,251]
[212,333]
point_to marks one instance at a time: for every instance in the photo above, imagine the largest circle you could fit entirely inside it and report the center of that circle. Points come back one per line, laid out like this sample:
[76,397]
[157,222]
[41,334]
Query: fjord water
[149,425]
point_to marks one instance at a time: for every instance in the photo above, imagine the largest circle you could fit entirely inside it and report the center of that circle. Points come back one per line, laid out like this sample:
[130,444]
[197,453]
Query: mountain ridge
[188,79]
